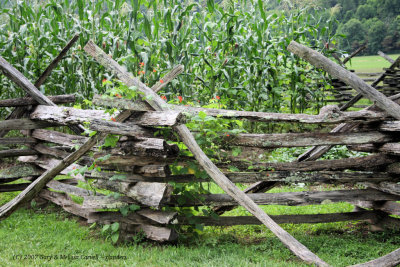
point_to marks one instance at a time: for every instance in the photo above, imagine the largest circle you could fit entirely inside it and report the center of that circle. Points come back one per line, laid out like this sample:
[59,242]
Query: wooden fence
[386,82]
[138,167]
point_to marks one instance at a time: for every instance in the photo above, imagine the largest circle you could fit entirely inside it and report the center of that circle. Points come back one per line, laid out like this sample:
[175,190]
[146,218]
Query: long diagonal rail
[158,104]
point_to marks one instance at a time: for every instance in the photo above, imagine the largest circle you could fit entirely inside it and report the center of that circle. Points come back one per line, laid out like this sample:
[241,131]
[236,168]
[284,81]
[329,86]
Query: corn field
[234,50]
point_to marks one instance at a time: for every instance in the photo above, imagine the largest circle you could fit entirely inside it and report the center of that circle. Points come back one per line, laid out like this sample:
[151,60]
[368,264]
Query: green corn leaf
[262,12]
[147,27]
[81,9]
[168,21]
[210,5]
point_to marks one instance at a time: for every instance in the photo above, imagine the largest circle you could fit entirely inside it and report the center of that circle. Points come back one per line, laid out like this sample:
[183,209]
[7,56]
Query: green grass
[51,232]
[369,63]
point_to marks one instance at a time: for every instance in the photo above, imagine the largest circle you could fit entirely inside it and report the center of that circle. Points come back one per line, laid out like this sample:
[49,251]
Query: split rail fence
[386,82]
[138,167]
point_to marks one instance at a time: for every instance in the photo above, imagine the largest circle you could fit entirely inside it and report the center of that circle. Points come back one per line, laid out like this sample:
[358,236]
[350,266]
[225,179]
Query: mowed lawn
[51,237]
[370,63]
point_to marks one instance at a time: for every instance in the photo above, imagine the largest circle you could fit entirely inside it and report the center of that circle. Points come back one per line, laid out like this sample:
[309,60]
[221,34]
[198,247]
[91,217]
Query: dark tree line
[372,22]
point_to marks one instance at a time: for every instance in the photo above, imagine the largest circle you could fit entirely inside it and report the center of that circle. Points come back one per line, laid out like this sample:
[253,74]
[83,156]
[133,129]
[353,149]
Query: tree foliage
[376,20]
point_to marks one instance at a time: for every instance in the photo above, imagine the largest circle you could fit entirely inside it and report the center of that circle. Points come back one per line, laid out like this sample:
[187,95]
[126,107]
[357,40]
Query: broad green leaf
[134,207]
[115,227]
[105,228]
[124,210]
[202,115]
[115,237]
[103,158]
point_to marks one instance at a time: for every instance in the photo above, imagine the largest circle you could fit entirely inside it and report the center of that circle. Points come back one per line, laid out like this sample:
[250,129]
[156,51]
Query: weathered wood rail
[138,167]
